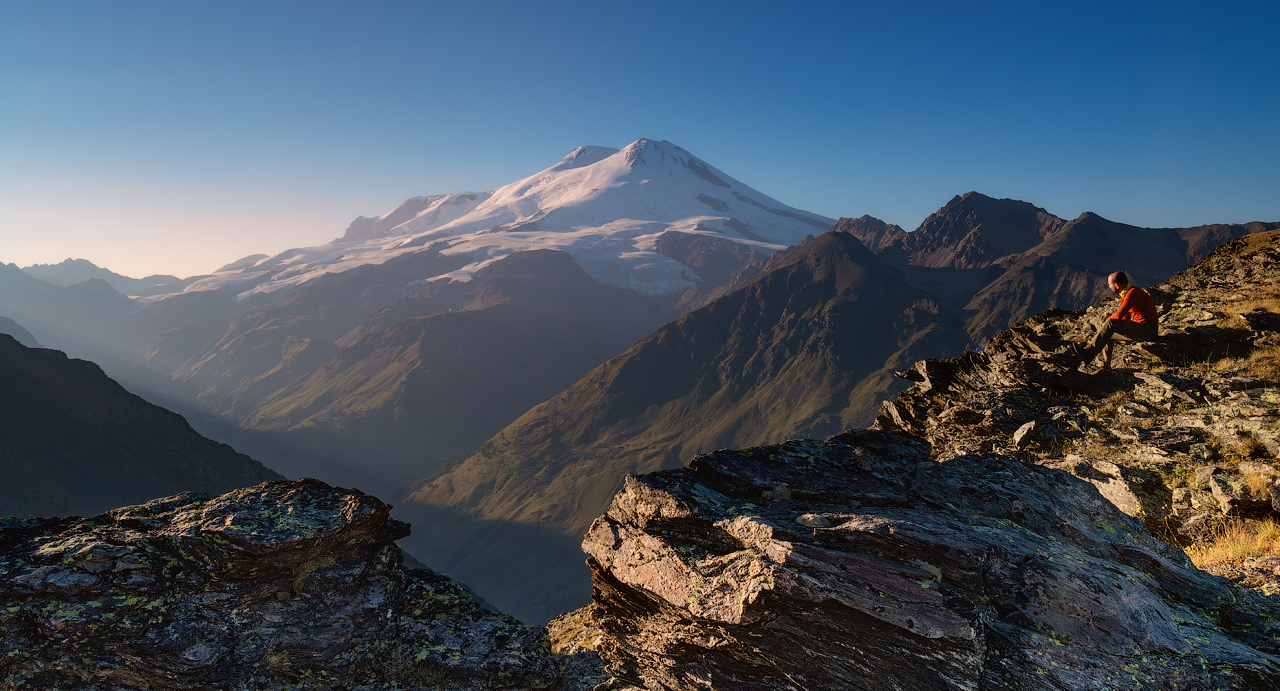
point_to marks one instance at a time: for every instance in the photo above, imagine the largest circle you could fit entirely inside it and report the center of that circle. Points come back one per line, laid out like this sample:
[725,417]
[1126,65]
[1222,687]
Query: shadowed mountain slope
[72,441]
[21,335]
[786,356]
[432,375]
[83,315]
[874,233]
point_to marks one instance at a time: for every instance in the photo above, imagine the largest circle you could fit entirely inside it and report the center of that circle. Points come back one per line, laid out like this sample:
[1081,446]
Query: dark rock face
[859,563]
[286,585]
[715,260]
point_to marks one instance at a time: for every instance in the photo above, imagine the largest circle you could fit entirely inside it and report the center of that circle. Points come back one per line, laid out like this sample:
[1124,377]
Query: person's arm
[1124,305]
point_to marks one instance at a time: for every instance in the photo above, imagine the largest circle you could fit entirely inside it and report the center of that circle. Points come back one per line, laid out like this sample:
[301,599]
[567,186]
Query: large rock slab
[286,585]
[859,563]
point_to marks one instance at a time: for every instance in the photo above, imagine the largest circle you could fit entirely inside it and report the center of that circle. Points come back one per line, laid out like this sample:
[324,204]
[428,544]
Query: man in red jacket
[1135,320]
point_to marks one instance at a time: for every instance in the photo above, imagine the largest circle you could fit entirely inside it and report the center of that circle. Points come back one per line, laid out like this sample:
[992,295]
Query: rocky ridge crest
[1181,433]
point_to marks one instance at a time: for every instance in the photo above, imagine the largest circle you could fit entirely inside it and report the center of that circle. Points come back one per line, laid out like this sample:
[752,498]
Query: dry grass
[1263,363]
[1253,241]
[1105,408]
[1259,485]
[1267,299]
[1236,543]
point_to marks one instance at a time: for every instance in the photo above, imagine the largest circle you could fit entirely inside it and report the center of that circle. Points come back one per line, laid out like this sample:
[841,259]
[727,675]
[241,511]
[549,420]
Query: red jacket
[1136,306]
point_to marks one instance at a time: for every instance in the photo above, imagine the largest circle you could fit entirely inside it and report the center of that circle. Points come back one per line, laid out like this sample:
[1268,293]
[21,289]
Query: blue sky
[161,137]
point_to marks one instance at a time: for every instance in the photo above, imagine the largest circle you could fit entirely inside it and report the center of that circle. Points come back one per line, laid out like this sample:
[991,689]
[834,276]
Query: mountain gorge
[788,355]
[420,388]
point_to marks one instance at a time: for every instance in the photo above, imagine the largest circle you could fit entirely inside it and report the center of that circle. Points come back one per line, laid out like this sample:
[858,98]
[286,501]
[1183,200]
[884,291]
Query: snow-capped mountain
[606,208]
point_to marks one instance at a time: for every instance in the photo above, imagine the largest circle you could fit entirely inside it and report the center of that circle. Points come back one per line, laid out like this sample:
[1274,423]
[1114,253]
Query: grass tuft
[1258,484]
[1237,542]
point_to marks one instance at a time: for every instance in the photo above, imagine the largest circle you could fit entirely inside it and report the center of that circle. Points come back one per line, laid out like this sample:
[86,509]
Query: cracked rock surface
[884,569]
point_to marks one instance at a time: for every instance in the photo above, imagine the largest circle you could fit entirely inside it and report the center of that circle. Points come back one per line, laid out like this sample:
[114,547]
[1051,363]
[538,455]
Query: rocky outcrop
[286,585]
[1181,433]
[862,563]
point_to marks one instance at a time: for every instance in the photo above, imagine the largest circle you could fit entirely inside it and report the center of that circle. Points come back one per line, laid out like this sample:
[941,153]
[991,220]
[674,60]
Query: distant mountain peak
[68,263]
[974,230]
[874,233]
[584,156]
[604,207]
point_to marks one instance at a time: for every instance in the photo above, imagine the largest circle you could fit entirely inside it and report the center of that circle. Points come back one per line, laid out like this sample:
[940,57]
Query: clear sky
[174,137]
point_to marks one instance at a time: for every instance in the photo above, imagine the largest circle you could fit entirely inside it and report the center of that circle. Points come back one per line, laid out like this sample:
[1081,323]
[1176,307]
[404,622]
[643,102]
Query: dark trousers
[1118,328]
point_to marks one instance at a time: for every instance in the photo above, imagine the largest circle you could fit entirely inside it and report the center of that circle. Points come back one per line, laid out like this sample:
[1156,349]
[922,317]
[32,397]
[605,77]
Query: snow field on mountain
[604,207]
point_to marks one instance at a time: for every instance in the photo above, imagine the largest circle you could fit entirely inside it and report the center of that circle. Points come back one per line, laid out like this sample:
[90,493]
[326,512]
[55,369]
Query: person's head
[1117,281]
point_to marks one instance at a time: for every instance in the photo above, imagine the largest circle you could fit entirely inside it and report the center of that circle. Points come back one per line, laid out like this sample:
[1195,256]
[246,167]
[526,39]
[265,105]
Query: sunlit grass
[1237,542]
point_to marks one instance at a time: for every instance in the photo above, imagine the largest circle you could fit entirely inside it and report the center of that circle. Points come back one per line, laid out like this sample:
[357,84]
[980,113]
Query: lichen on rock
[286,585]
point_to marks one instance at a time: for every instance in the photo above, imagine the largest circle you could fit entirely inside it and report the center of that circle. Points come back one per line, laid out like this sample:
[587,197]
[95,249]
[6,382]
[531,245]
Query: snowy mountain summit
[609,209]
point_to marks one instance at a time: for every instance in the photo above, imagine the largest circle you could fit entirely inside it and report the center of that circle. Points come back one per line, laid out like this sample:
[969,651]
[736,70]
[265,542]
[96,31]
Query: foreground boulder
[859,563]
[283,585]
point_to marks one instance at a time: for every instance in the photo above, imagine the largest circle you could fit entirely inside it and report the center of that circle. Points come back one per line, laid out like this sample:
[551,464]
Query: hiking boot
[1073,351]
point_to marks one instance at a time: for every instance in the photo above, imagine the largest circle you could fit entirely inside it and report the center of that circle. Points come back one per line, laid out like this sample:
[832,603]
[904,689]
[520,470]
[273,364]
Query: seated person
[1134,320]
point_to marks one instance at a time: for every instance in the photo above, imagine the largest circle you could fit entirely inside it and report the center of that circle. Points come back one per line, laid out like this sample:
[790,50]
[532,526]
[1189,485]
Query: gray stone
[984,573]
[1137,492]
[1238,496]
[1022,437]
[1203,475]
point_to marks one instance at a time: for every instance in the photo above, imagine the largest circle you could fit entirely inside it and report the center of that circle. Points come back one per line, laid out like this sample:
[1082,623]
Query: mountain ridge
[73,441]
